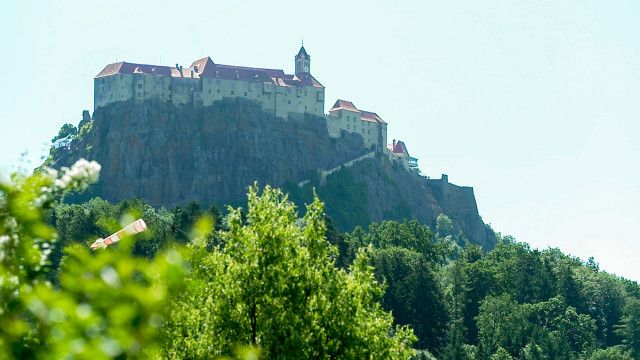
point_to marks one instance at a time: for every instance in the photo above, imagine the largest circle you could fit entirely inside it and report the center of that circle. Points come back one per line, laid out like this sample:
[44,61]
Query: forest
[272,280]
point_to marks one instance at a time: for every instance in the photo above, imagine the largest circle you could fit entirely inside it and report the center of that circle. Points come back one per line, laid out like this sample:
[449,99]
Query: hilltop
[169,155]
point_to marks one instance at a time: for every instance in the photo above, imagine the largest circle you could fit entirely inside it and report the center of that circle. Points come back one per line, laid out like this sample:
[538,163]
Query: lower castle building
[344,116]
[278,93]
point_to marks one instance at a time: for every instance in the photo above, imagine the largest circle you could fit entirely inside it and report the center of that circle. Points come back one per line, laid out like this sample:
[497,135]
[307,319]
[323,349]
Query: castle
[278,93]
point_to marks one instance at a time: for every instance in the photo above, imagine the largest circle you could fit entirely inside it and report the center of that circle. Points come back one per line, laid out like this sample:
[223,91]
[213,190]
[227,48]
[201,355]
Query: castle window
[347,126]
[218,74]
[232,92]
[218,91]
[139,86]
[245,93]
[209,91]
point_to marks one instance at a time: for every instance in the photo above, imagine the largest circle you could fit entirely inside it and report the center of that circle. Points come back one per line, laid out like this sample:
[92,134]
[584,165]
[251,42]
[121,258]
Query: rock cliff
[170,155]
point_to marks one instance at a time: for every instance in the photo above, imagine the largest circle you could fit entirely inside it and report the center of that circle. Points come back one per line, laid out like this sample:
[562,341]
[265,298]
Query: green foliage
[457,287]
[413,293]
[423,355]
[410,235]
[611,353]
[107,304]
[65,130]
[406,257]
[265,283]
[502,325]
[444,226]
[501,354]
[346,200]
[85,129]
[630,327]
[275,285]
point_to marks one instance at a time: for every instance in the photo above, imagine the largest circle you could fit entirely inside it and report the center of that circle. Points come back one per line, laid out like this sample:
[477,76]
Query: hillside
[169,155]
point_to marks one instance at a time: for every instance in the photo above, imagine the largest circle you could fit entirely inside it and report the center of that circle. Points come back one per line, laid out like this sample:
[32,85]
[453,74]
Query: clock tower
[303,62]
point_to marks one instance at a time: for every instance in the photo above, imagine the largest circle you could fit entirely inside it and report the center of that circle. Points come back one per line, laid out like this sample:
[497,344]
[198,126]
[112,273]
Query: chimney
[394,145]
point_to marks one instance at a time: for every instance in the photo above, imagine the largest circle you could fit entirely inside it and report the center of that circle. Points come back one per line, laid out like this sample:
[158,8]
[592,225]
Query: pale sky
[534,104]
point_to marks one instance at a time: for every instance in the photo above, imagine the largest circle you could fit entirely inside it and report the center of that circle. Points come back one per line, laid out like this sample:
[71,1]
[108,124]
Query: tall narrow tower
[303,62]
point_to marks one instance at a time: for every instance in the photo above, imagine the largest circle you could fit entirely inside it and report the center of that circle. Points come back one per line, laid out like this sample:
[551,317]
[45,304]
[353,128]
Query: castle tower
[303,62]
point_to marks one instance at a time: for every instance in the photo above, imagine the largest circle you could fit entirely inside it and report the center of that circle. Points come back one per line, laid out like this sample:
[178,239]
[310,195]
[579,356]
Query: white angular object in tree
[131,229]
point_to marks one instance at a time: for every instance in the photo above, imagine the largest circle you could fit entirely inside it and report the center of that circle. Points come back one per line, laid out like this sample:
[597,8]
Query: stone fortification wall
[277,100]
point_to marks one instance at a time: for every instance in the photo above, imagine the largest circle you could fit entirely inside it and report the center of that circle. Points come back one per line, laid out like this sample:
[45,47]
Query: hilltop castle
[204,82]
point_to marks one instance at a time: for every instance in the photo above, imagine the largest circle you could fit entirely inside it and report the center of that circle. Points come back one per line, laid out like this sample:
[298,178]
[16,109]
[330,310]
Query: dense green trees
[274,285]
[268,285]
[264,281]
[406,258]
[536,304]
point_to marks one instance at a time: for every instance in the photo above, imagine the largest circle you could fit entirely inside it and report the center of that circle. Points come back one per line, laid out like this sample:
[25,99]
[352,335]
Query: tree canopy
[262,281]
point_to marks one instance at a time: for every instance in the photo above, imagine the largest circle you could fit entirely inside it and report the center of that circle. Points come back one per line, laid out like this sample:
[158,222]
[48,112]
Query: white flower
[4,239]
[80,175]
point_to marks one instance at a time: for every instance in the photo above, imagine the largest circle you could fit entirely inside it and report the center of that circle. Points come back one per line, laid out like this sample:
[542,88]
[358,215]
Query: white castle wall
[278,100]
[373,134]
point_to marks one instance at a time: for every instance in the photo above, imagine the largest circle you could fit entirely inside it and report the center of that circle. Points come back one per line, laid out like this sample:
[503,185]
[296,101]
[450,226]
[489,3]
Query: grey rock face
[170,155]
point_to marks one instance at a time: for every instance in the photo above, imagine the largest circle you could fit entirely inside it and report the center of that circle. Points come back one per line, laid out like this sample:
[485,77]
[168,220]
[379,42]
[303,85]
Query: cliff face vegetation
[170,155]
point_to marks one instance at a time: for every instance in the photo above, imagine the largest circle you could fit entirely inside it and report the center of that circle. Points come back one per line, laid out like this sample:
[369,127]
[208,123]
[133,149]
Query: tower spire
[302,61]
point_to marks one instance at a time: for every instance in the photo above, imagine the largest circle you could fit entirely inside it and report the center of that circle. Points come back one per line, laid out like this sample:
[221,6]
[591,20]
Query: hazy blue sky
[534,104]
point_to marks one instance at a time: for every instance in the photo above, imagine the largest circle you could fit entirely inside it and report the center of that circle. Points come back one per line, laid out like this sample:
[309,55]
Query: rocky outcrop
[169,155]
[393,193]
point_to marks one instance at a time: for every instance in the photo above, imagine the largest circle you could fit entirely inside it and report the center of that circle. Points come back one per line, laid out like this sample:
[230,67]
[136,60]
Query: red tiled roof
[364,115]
[200,65]
[206,68]
[230,72]
[129,68]
[399,148]
[344,105]
[371,116]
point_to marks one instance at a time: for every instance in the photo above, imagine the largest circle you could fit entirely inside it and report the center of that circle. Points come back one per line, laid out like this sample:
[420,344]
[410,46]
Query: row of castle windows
[298,93]
[353,119]
[356,129]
